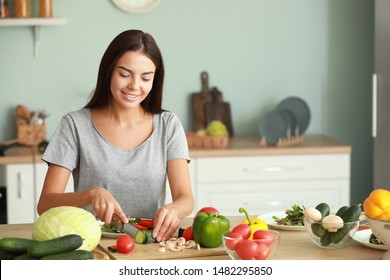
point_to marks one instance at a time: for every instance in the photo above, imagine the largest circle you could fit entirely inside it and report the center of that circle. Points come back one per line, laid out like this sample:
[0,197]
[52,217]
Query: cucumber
[72,255]
[57,245]
[326,239]
[25,256]
[351,215]
[342,211]
[16,244]
[318,229]
[324,209]
[144,236]
[7,255]
[180,232]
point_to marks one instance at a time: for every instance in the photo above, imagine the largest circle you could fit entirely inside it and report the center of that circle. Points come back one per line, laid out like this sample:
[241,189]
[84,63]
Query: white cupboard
[262,179]
[271,179]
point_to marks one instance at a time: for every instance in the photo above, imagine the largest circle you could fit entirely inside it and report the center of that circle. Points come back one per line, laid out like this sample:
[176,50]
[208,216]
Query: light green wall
[257,52]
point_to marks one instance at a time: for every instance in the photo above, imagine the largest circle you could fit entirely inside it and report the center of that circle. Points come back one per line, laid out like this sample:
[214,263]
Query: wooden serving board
[150,252]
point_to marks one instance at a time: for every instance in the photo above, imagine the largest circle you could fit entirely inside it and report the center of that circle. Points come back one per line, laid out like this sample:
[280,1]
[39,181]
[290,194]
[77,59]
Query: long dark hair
[130,40]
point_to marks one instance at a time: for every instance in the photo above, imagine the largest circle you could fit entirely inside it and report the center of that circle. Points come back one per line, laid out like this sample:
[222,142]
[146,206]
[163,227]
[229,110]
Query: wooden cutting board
[198,100]
[150,252]
[217,109]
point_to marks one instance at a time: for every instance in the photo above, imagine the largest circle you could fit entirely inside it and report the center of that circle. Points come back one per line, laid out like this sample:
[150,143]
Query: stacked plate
[290,118]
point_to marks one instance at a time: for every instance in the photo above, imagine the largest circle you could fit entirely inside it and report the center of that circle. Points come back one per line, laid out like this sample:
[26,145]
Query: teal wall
[257,52]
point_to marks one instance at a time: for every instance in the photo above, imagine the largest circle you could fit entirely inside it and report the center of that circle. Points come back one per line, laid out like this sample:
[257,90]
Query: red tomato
[233,243]
[263,237]
[188,234]
[243,229]
[247,249]
[207,210]
[125,244]
[263,252]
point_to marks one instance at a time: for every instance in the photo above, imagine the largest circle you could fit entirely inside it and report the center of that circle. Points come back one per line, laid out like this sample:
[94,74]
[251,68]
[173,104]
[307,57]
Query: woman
[122,145]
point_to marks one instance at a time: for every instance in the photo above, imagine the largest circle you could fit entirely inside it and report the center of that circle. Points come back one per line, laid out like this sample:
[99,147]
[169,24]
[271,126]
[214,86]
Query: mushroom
[332,223]
[190,244]
[312,214]
[177,245]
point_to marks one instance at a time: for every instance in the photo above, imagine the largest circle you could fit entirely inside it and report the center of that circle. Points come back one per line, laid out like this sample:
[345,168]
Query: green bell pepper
[208,229]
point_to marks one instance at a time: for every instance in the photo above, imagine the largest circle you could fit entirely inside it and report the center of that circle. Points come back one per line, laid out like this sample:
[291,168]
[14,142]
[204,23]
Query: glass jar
[22,8]
[45,8]
[4,9]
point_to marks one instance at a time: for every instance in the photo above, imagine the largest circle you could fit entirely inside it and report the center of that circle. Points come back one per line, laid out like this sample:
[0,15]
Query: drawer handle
[20,185]
[260,169]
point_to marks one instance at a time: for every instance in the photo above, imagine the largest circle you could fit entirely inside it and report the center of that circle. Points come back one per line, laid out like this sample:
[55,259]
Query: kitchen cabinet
[246,174]
[381,95]
[271,179]
[21,198]
[264,184]
[22,173]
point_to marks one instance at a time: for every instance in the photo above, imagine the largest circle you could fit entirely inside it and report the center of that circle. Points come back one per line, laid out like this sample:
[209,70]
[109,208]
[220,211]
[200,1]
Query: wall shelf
[36,23]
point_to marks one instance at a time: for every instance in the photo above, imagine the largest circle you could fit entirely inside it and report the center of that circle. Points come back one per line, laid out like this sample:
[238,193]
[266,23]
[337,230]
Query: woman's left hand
[166,222]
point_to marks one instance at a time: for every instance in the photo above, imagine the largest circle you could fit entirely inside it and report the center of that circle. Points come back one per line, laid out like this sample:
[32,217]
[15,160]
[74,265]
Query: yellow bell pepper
[254,223]
[377,204]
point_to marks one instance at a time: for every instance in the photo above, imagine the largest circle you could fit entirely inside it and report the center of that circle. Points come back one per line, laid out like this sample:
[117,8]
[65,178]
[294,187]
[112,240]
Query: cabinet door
[381,112]
[20,193]
[264,197]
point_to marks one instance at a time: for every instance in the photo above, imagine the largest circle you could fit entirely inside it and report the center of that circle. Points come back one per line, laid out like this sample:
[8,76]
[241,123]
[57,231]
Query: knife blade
[126,228]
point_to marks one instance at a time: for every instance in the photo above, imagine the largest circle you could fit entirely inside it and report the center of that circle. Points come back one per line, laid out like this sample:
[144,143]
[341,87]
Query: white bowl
[381,229]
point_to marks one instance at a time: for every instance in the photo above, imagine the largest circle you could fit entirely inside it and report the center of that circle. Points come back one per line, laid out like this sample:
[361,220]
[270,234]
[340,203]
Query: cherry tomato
[125,244]
[207,210]
[243,229]
[188,233]
[263,252]
[263,237]
[247,249]
[233,243]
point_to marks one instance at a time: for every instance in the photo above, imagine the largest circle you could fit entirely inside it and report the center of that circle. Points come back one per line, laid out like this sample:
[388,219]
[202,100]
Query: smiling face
[132,79]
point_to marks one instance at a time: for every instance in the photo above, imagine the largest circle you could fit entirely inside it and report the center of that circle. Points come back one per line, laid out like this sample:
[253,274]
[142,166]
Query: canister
[22,8]
[45,8]
[4,9]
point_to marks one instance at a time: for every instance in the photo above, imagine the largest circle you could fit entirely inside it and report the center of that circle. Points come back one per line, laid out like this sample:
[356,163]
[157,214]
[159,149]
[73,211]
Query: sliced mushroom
[190,244]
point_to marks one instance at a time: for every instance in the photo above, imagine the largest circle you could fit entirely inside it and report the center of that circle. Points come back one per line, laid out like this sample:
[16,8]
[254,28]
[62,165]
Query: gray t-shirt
[136,178]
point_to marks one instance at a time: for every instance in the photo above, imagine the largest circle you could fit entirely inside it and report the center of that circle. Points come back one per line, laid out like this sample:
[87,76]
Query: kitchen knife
[126,228]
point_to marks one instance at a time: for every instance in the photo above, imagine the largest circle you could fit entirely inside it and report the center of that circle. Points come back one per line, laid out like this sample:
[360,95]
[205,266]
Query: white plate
[363,237]
[271,222]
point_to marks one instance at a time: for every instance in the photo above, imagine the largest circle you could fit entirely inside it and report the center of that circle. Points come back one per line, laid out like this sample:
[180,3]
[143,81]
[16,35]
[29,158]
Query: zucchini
[72,255]
[144,236]
[57,245]
[16,244]
[351,215]
[7,255]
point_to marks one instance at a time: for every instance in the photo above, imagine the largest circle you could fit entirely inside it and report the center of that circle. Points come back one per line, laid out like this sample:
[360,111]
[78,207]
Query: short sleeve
[63,148]
[177,141]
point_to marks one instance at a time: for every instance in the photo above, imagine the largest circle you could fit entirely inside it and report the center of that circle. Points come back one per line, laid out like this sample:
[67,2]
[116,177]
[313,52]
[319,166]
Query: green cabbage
[64,220]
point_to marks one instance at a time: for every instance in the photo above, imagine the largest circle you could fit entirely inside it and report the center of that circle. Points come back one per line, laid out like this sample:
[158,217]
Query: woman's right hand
[105,205]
